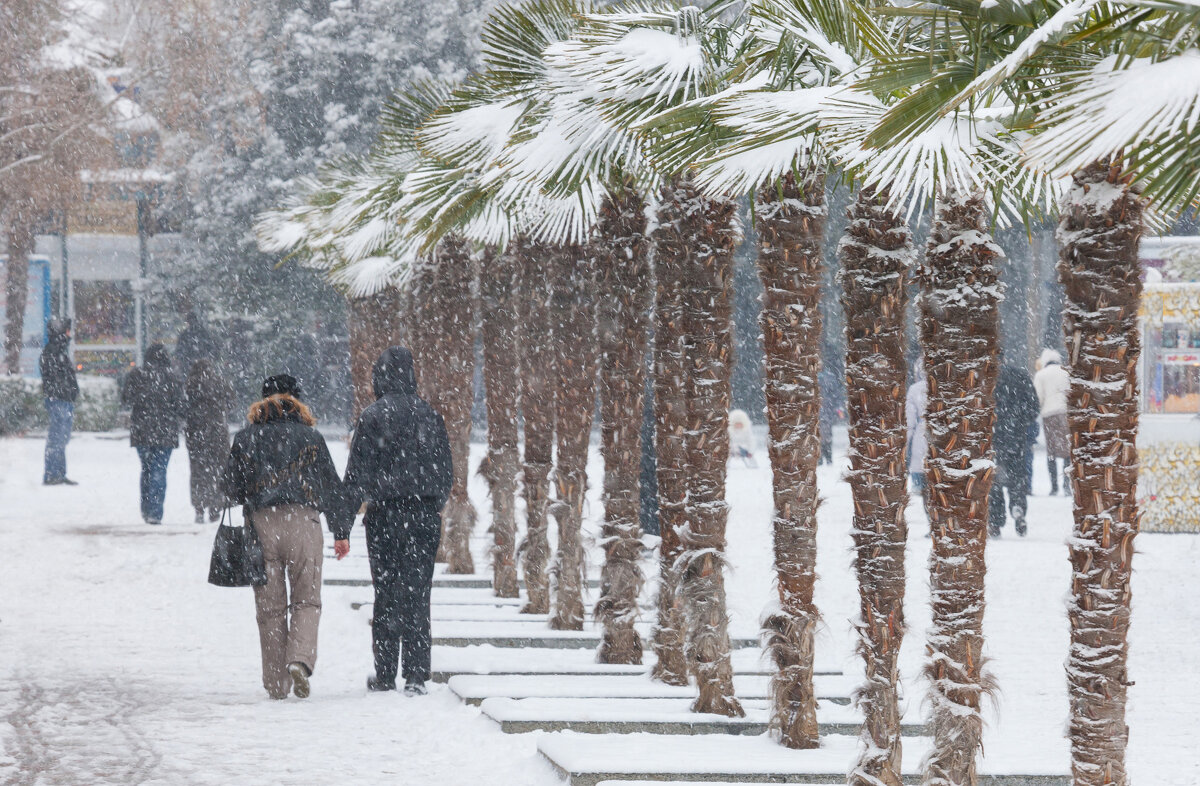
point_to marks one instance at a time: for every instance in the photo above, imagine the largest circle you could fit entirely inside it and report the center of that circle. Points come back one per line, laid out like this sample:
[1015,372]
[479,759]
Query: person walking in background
[280,471]
[915,402]
[827,383]
[156,400]
[741,437]
[195,342]
[59,391]
[400,465]
[1052,383]
[206,433]
[1016,410]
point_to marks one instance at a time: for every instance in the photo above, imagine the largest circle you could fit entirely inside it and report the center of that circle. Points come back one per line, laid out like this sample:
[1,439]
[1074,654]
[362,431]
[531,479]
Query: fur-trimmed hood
[281,407]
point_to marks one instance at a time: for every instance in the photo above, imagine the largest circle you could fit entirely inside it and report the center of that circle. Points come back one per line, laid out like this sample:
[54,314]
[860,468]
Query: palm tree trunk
[501,348]
[791,227]
[373,327]
[623,275]
[573,288]
[959,327]
[705,232]
[670,422]
[875,253]
[1099,232]
[20,246]
[420,305]
[454,320]
[538,379]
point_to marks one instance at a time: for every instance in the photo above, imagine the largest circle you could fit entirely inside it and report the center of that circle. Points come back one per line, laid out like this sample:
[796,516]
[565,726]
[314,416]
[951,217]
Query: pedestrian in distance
[206,433]
[60,389]
[741,437]
[915,402]
[279,469]
[195,342]
[400,466]
[1052,383]
[1016,411]
[156,401]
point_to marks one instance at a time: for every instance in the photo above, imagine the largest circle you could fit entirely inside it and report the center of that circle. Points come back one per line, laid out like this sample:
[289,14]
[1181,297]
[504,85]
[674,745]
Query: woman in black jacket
[155,396]
[280,470]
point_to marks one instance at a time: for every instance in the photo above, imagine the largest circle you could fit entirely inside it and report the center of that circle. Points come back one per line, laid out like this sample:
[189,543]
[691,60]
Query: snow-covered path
[120,665]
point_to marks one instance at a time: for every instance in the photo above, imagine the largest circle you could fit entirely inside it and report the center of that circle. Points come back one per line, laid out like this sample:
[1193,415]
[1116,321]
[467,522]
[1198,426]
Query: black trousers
[402,542]
[1012,476]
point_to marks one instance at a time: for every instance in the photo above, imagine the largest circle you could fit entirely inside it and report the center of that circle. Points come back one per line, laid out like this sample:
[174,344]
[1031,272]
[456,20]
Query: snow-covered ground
[120,665]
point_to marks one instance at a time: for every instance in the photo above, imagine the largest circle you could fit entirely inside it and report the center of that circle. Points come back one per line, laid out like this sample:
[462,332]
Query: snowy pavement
[120,665]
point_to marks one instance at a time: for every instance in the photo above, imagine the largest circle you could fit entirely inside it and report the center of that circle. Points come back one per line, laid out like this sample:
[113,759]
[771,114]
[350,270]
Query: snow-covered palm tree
[639,61]
[765,137]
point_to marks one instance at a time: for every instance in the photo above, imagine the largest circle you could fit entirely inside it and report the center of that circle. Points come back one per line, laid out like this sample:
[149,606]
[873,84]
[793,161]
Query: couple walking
[280,470]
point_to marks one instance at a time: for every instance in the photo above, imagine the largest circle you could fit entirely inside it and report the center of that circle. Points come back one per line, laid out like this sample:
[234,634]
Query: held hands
[341,548]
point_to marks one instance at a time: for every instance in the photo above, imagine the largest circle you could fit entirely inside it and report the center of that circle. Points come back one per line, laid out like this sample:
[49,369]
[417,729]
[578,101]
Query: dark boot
[1052,464]
[376,685]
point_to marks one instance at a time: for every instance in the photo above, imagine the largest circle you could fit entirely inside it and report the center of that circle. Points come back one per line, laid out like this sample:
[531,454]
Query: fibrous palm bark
[875,253]
[574,311]
[791,227]
[1098,233]
[454,321]
[373,327]
[699,234]
[959,339]
[420,306]
[623,293]
[20,246]
[670,422]
[498,278]
[538,379]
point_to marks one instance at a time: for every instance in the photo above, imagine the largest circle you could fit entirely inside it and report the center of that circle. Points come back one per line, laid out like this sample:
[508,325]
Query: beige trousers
[292,545]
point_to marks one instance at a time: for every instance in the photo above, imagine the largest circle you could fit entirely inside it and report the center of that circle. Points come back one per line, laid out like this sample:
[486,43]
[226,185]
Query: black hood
[158,356]
[394,373]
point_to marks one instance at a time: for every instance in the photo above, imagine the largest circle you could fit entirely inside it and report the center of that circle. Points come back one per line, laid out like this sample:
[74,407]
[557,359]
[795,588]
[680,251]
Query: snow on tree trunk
[875,253]
[670,422]
[791,227]
[623,284]
[959,339]
[454,321]
[538,379]
[20,246]
[498,279]
[574,311]
[420,308]
[698,235]
[1098,237]
[373,327]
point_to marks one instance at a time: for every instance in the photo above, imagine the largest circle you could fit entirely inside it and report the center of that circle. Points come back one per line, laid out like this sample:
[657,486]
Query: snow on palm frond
[515,38]
[1144,111]
[961,152]
[771,132]
[471,131]
[646,60]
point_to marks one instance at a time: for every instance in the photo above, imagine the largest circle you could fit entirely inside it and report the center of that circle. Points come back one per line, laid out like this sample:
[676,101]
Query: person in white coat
[1052,383]
[914,409]
[741,437]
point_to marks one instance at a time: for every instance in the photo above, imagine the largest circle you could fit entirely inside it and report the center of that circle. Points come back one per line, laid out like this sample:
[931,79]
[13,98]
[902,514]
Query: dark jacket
[155,396]
[1016,411]
[400,447]
[280,459]
[58,373]
[195,342]
[209,399]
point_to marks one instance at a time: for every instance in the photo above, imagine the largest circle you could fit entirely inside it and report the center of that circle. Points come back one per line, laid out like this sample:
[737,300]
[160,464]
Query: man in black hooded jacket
[400,465]
[60,389]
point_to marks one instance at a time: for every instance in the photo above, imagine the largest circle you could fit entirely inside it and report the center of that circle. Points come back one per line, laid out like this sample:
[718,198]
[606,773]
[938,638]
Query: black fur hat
[281,384]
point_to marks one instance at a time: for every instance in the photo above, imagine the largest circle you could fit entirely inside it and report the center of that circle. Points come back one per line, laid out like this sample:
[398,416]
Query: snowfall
[121,665]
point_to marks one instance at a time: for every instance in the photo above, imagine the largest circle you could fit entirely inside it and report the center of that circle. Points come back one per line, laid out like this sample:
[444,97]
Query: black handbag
[237,556]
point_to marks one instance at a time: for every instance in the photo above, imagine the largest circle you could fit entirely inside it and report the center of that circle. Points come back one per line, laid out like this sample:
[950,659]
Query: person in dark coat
[1016,411]
[280,471]
[400,465]
[195,342]
[156,400]
[59,390]
[209,399]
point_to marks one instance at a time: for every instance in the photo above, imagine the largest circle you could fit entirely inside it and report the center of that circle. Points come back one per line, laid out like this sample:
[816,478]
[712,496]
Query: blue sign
[37,312]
